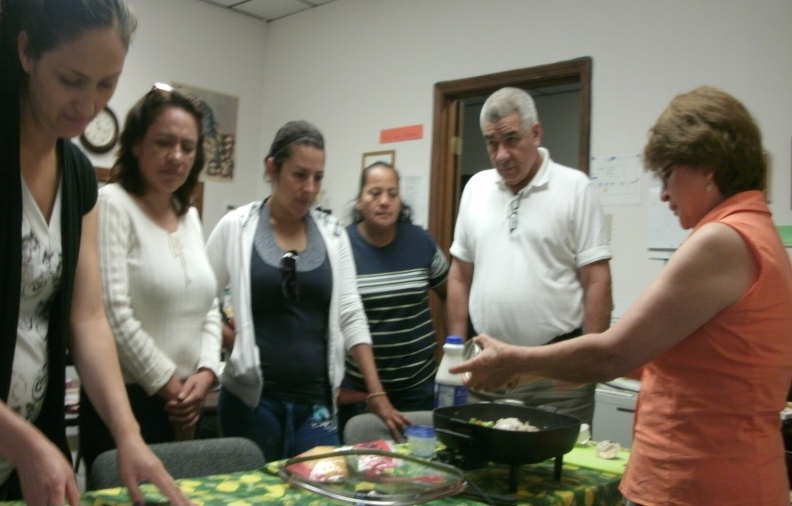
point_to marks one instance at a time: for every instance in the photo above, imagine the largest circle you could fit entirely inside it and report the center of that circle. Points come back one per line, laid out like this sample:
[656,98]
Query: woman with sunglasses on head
[397,264]
[60,61]
[296,306]
[712,331]
[158,286]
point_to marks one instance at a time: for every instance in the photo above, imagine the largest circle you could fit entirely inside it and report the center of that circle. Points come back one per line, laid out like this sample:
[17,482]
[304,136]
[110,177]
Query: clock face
[101,133]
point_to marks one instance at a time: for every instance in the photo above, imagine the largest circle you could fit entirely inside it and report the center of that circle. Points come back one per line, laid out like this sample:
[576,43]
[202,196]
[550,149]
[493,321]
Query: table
[586,481]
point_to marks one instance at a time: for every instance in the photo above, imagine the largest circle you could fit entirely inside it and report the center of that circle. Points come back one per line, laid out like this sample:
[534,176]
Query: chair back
[185,459]
[370,427]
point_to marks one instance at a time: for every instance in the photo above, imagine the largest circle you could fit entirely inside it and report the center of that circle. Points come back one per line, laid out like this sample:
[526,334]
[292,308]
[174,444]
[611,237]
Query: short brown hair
[709,128]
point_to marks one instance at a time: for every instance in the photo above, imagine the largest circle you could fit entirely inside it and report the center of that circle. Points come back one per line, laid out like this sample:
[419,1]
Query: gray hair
[507,101]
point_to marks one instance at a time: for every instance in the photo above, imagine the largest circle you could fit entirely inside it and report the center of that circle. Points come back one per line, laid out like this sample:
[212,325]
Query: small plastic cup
[421,440]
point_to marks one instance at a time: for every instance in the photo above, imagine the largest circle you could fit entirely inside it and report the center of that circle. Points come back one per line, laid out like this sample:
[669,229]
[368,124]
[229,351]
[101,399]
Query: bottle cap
[453,340]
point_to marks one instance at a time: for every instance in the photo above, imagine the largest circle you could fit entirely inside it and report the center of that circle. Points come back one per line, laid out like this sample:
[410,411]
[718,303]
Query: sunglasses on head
[289,285]
[160,88]
[167,92]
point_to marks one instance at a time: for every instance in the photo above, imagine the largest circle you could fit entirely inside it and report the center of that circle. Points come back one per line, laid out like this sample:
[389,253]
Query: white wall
[207,47]
[355,67]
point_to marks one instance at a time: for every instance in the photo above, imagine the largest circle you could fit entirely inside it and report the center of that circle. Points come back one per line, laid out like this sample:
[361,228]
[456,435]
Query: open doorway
[449,114]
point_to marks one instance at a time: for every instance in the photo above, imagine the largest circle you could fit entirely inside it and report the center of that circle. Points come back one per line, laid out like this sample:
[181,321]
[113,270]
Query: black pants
[95,437]
[569,335]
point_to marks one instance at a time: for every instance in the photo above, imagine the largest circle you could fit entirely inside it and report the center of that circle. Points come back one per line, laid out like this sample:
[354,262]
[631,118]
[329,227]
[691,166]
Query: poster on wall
[220,123]
[618,178]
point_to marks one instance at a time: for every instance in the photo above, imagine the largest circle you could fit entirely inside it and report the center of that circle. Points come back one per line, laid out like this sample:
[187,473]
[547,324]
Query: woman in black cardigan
[60,61]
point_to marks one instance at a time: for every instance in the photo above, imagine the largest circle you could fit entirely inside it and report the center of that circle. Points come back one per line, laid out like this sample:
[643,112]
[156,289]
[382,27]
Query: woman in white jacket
[296,306]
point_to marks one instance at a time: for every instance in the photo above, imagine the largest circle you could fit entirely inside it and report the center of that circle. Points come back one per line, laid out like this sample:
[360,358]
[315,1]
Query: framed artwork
[388,157]
[220,125]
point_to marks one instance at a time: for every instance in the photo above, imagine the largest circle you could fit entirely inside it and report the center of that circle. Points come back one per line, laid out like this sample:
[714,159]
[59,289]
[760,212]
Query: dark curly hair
[709,128]
[143,114]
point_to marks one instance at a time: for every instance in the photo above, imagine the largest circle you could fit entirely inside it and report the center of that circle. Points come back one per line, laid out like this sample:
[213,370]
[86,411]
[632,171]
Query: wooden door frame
[445,188]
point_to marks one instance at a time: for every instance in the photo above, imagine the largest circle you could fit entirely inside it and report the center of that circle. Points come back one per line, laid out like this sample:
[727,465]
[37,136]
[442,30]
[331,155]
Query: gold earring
[709,186]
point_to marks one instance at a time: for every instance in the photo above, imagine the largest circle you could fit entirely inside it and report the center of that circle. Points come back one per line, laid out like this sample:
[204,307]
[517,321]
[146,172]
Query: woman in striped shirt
[397,264]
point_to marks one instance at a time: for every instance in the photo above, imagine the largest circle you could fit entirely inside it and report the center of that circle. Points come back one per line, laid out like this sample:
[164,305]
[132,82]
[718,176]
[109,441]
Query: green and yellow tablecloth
[586,481]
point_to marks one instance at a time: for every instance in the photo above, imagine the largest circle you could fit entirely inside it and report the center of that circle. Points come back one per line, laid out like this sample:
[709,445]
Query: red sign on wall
[406,133]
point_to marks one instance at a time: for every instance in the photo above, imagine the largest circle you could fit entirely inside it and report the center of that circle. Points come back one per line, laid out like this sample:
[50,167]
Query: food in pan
[514,424]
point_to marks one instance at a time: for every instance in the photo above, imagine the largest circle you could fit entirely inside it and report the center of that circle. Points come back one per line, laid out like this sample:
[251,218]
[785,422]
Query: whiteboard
[618,178]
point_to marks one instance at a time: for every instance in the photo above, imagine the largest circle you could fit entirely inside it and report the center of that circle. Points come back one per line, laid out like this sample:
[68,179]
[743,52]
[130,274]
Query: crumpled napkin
[607,449]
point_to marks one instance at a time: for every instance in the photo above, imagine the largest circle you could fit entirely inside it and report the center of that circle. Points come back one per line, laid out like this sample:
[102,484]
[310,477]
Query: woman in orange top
[713,328]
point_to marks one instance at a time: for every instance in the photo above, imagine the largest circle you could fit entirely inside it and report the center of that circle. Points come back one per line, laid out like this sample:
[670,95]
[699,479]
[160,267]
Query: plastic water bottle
[449,390]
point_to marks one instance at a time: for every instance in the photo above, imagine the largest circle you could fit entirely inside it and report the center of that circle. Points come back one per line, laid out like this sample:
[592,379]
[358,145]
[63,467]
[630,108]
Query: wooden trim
[197,198]
[102,174]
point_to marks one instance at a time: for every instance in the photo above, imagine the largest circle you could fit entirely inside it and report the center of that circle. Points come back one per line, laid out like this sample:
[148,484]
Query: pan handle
[457,435]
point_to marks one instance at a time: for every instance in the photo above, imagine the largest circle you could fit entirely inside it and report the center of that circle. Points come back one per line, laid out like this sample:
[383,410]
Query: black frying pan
[557,435]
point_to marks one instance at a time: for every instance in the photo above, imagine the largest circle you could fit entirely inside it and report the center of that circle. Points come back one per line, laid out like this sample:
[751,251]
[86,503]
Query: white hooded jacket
[229,248]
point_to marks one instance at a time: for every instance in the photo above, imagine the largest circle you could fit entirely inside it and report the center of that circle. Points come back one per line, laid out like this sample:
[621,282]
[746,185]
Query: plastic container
[421,440]
[449,389]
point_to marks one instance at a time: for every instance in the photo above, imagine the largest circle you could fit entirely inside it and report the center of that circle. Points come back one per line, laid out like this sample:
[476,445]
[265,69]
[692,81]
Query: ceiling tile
[269,10]
[224,3]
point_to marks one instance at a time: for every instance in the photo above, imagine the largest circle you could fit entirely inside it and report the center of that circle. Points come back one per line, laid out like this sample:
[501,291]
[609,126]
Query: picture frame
[370,157]
[221,112]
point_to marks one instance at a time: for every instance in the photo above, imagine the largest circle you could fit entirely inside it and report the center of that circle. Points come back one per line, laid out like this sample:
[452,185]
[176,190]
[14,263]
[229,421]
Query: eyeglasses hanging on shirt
[515,206]
[289,285]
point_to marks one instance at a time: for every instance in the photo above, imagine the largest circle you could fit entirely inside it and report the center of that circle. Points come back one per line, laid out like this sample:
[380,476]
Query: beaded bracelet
[375,394]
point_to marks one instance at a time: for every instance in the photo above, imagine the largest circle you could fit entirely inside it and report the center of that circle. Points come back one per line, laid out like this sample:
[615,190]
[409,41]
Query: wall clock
[101,134]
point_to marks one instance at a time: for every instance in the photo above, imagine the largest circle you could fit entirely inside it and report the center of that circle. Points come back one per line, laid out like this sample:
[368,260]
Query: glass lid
[369,476]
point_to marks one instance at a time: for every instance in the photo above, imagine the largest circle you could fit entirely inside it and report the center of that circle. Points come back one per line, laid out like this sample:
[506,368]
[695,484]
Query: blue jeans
[281,429]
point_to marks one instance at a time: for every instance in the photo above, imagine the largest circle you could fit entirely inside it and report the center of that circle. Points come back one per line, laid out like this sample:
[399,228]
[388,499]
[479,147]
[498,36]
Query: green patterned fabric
[579,486]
